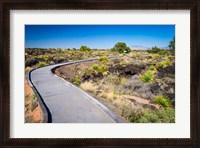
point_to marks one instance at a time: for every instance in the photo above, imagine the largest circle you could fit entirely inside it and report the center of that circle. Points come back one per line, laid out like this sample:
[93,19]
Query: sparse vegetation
[164,64]
[41,64]
[162,100]
[147,76]
[152,116]
[76,80]
[139,86]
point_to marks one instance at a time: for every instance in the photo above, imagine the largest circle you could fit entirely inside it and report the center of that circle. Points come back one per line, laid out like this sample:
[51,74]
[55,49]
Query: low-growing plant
[162,100]
[33,97]
[103,69]
[122,63]
[76,80]
[163,52]
[164,64]
[152,68]
[41,64]
[95,67]
[149,57]
[103,59]
[87,72]
[46,57]
[112,78]
[88,86]
[164,115]
[123,81]
[147,76]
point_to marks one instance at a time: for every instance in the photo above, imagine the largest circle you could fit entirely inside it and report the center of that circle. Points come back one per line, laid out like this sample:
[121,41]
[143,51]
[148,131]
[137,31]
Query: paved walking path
[67,103]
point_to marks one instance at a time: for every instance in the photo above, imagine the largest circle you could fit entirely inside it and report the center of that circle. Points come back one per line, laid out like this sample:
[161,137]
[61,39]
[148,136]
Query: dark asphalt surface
[66,102]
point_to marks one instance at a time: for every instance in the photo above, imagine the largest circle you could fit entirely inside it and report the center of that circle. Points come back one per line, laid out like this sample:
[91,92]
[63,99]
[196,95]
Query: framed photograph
[100,74]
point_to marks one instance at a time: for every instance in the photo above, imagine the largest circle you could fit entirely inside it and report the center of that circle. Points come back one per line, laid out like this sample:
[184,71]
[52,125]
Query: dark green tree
[85,49]
[172,44]
[121,48]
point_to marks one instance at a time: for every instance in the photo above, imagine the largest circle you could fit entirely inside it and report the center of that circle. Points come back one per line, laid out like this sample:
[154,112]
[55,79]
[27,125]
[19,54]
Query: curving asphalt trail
[62,102]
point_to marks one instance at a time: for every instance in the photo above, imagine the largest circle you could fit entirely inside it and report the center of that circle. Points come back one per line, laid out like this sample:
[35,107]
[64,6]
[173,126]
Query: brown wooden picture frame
[7,5]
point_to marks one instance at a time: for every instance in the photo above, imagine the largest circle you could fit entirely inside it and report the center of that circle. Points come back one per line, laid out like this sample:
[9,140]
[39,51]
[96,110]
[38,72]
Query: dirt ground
[33,113]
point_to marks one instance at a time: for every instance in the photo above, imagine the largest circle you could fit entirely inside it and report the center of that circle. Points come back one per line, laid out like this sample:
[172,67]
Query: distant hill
[145,48]
[139,48]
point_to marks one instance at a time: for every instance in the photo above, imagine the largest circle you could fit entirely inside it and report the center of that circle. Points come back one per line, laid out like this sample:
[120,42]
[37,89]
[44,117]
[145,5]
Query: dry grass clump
[88,86]
[108,95]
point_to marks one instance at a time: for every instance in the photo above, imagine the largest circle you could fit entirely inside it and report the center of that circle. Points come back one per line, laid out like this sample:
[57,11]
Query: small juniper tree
[121,48]
[172,44]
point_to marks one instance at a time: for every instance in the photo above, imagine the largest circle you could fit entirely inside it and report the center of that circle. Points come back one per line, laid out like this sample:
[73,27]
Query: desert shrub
[41,64]
[103,59]
[46,57]
[164,64]
[77,56]
[162,100]
[154,50]
[122,63]
[136,55]
[133,83]
[164,115]
[95,67]
[147,76]
[112,78]
[87,72]
[76,80]
[149,57]
[103,69]
[30,61]
[163,52]
[58,59]
[152,68]
[123,80]
[170,57]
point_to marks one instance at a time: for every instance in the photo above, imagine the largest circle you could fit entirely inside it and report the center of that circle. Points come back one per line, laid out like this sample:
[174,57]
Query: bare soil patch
[33,113]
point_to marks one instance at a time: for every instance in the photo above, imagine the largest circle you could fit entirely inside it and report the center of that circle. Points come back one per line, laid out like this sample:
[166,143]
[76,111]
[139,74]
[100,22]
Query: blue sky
[97,36]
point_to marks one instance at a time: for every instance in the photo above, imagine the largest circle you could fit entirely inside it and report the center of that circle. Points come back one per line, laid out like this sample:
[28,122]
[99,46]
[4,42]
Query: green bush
[87,72]
[41,64]
[152,68]
[103,59]
[162,100]
[95,67]
[164,64]
[76,80]
[164,115]
[103,69]
[147,76]
[149,57]
[46,57]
